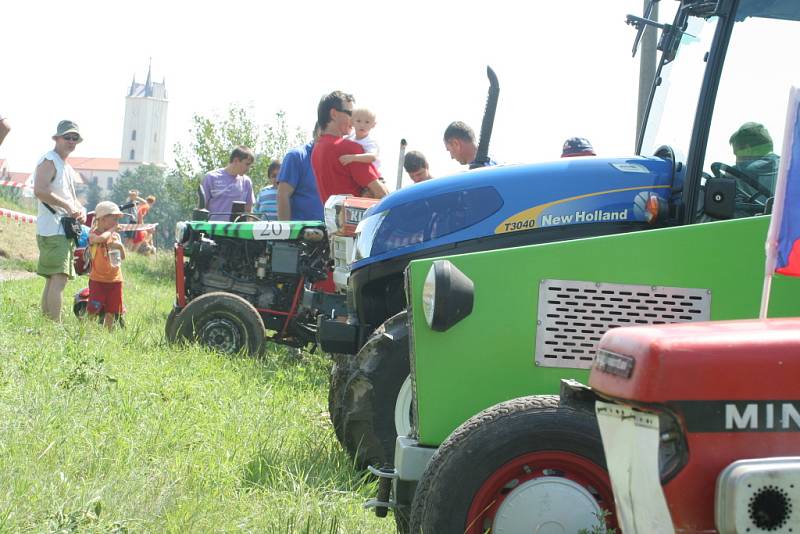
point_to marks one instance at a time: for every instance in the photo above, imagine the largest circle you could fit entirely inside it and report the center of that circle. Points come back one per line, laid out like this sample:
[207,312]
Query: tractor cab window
[669,122]
[746,131]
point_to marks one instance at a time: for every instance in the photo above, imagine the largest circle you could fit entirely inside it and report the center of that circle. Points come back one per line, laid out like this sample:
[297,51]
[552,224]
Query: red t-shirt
[333,178]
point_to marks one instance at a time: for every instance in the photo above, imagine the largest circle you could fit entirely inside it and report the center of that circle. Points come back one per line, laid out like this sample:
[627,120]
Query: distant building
[25,178]
[145,127]
[99,171]
[22,178]
[143,142]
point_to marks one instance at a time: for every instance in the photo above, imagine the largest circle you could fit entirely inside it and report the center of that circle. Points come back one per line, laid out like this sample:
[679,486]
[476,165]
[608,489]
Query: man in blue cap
[577,146]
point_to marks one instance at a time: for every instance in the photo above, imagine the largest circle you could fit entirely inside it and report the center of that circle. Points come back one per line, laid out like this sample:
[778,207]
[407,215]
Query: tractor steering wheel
[719,169]
[244,217]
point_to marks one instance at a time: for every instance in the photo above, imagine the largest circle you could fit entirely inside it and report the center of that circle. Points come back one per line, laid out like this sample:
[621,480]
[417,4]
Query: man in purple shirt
[225,186]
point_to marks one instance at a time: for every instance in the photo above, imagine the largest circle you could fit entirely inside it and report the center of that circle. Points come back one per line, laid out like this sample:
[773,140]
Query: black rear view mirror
[720,199]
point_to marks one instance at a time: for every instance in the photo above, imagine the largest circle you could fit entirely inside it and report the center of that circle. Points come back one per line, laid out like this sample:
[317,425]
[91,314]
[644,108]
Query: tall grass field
[120,432]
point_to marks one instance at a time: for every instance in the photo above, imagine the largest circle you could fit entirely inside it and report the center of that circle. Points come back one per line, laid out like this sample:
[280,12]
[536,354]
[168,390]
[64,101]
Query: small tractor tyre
[222,321]
[79,308]
[495,469]
[371,394]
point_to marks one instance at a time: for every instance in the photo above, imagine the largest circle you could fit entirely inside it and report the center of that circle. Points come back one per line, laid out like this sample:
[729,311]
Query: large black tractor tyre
[341,369]
[221,321]
[370,399]
[519,466]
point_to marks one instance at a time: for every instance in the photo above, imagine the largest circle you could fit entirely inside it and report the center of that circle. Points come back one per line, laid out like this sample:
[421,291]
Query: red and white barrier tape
[134,227]
[24,217]
[17,216]
[11,183]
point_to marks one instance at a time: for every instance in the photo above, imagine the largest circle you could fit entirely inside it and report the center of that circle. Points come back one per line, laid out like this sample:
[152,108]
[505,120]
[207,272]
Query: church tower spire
[148,85]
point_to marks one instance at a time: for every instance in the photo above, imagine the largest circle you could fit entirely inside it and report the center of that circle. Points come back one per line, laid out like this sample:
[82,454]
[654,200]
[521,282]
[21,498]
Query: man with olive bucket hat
[54,187]
[752,146]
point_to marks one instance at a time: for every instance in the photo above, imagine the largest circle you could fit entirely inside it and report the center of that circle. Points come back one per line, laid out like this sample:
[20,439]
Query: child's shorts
[105,297]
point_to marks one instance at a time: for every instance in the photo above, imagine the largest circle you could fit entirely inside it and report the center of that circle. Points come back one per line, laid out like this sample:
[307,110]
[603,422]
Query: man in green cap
[54,187]
[752,146]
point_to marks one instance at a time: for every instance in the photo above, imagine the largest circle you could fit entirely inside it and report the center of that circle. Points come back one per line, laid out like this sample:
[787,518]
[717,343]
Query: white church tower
[145,127]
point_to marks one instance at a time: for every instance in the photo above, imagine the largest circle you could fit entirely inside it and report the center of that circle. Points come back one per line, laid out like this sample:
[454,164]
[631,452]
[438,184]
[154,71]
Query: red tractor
[701,425]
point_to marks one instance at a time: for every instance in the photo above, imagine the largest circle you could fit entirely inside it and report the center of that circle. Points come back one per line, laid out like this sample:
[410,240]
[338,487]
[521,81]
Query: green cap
[751,139]
[65,127]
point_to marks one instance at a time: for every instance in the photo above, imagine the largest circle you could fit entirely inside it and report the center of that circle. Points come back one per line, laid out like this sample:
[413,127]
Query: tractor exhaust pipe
[400,165]
[482,156]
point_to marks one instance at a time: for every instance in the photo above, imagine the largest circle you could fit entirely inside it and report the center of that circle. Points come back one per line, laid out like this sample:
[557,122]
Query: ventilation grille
[574,315]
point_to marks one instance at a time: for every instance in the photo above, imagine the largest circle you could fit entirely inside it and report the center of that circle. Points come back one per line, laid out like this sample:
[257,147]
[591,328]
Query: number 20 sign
[271,230]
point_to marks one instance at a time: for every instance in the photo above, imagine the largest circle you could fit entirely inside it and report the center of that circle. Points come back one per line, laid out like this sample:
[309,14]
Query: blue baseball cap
[577,146]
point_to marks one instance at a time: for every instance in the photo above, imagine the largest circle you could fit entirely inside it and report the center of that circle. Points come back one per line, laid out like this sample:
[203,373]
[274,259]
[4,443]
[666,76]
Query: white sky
[565,69]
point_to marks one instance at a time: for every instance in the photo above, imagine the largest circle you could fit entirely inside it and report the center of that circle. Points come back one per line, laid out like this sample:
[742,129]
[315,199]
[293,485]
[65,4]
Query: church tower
[145,127]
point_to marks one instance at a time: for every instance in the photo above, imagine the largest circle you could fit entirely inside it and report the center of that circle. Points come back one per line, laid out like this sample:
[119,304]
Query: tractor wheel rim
[402,408]
[542,492]
[222,335]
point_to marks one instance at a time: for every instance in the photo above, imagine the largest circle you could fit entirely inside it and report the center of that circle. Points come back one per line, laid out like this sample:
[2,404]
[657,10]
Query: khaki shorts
[55,255]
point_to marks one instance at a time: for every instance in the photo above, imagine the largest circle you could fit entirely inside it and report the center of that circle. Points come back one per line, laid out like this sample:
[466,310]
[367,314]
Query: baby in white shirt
[363,123]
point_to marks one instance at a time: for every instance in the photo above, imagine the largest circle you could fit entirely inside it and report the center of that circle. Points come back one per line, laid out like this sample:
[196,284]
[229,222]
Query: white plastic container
[115,257]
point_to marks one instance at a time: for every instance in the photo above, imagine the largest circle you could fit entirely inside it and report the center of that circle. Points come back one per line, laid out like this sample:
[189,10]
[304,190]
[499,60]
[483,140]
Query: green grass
[12,200]
[18,251]
[119,432]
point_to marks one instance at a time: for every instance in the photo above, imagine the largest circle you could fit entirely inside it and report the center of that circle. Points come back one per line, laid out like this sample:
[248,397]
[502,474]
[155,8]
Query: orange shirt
[102,270]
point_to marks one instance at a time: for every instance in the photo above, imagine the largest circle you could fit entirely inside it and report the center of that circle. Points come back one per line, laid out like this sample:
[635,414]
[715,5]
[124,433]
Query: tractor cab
[718,102]
[700,425]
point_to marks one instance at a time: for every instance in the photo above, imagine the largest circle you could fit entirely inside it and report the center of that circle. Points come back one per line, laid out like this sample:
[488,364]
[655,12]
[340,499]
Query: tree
[152,180]
[93,195]
[214,138]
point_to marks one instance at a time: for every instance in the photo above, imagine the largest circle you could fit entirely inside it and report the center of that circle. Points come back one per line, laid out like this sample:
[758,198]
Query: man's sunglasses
[71,137]
[349,112]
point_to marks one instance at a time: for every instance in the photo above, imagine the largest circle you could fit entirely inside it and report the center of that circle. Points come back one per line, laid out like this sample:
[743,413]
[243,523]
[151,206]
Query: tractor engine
[701,425]
[265,273]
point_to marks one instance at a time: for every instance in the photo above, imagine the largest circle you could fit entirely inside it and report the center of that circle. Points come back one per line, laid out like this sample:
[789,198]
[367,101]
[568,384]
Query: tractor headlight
[673,452]
[447,295]
[181,232]
[366,231]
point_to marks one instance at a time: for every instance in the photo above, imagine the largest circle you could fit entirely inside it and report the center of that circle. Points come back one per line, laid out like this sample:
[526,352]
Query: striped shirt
[267,203]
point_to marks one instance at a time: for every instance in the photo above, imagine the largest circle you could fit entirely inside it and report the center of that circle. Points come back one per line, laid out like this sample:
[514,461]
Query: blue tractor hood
[512,198]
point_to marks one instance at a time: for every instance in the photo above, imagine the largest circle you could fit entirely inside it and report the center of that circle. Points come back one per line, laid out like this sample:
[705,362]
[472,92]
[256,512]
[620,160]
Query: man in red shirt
[334,114]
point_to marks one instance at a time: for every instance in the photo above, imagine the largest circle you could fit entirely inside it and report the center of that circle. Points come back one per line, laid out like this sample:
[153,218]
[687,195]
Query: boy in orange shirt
[107,252]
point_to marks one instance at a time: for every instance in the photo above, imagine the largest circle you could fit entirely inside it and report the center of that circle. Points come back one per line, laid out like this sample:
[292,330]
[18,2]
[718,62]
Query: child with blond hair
[107,253]
[363,123]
